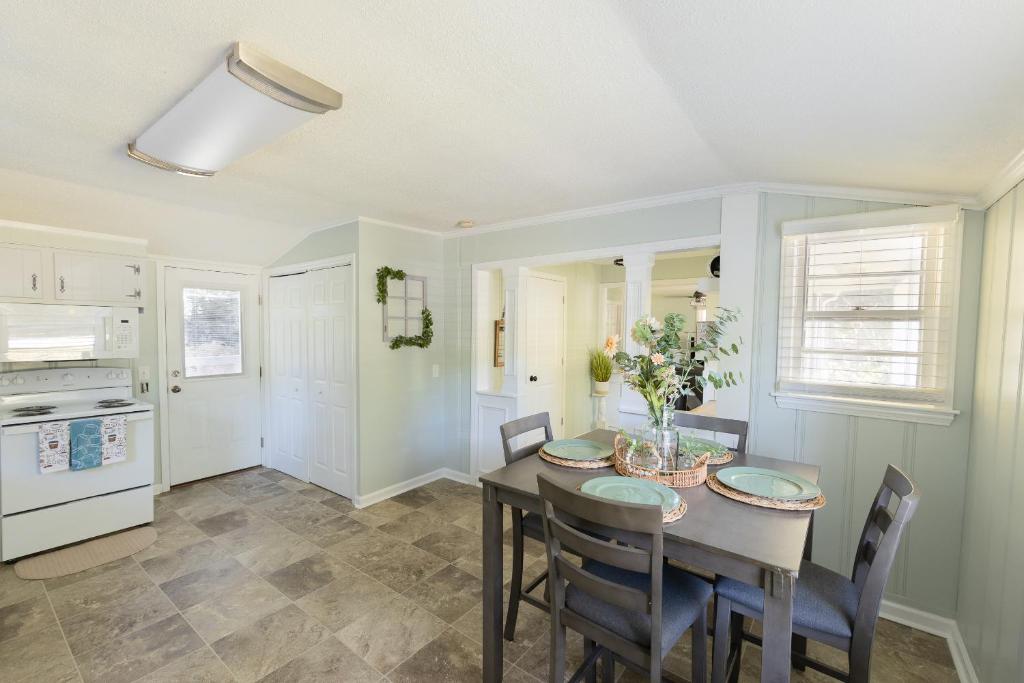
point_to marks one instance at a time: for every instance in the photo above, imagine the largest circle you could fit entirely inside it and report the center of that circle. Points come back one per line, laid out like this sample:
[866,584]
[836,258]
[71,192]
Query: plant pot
[600,388]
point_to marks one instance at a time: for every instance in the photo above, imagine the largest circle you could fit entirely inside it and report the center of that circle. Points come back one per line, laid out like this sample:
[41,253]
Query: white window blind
[869,312]
[213,332]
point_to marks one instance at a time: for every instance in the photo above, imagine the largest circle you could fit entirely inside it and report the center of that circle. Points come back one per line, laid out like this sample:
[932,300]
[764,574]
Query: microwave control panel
[124,331]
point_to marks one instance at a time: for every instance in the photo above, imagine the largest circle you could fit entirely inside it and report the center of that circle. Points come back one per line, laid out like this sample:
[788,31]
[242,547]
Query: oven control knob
[111,375]
[4,381]
[19,380]
[68,378]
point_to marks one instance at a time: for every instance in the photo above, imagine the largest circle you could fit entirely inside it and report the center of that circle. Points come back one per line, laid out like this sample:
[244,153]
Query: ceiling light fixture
[249,100]
[465,224]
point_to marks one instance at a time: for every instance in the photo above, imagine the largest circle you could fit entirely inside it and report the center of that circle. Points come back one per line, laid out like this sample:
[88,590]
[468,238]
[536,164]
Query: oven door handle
[34,427]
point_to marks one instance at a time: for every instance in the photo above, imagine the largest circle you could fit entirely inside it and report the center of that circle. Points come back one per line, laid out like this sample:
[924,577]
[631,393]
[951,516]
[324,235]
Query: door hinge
[259,299]
[561,421]
[261,442]
[261,371]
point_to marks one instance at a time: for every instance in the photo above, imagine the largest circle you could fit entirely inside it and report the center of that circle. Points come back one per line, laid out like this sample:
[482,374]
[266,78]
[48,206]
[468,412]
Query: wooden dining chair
[827,606]
[628,605]
[719,425]
[528,525]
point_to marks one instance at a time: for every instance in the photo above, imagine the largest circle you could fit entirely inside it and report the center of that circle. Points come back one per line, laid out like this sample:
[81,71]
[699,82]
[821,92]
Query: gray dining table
[758,546]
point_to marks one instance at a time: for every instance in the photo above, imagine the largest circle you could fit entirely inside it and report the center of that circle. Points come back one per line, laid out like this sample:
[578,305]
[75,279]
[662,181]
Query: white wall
[991,599]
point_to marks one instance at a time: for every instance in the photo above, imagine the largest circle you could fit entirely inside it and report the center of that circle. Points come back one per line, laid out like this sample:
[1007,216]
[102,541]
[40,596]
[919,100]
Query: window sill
[882,410]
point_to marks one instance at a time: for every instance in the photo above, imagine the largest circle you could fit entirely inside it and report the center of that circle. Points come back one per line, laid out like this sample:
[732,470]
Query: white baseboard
[410,484]
[939,626]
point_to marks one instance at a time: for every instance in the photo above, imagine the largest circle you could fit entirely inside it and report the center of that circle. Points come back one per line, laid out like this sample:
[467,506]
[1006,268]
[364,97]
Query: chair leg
[699,648]
[556,667]
[588,648]
[517,574]
[607,667]
[736,638]
[720,659]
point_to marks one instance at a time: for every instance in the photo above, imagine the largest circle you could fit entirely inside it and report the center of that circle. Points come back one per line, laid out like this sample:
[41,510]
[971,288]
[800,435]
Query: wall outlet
[435,370]
[144,373]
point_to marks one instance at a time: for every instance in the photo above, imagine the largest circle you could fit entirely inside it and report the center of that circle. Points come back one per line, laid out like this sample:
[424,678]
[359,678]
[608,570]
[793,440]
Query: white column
[738,287]
[639,270]
[513,282]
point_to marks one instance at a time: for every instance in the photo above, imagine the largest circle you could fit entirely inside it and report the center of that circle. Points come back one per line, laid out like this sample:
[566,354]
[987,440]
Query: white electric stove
[42,511]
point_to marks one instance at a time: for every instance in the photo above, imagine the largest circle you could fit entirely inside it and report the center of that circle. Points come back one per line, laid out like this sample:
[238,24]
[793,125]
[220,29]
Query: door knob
[175,389]
[533,378]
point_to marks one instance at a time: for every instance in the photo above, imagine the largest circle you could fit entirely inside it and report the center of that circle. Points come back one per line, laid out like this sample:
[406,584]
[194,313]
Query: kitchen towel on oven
[86,451]
[54,447]
[115,440]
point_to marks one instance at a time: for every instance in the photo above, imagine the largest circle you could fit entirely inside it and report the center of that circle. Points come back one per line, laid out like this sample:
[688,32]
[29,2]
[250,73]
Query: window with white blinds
[868,306]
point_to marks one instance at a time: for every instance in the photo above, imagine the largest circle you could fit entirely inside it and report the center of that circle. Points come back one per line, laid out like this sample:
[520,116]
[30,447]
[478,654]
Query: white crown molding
[870,194]
[399,226]
[1004,181]
[70,232]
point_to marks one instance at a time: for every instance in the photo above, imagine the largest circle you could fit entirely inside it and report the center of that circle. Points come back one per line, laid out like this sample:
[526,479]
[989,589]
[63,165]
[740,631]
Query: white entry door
[312,377]
[545,350]
[213,383]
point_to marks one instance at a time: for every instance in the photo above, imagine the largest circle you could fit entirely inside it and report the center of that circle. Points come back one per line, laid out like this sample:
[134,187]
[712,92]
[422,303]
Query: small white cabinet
[97,278]
[21,272]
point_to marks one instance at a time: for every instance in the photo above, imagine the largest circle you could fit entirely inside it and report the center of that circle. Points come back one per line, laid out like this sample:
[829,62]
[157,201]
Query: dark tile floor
[257,576]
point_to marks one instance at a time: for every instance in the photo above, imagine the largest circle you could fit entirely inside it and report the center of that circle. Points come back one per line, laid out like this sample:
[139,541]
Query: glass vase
[662,439]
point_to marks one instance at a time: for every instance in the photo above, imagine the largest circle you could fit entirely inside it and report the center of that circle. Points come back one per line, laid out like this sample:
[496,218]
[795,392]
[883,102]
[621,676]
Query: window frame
[887,403]
[404,298]
[184,333]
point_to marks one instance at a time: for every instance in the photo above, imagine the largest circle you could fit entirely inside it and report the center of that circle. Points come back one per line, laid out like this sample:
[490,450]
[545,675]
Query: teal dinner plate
[693,445]
[578,449]
[630,490]
[766,483]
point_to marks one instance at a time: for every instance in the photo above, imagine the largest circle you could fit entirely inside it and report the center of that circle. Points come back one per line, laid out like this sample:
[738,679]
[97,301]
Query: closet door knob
[533,378]
[175,389]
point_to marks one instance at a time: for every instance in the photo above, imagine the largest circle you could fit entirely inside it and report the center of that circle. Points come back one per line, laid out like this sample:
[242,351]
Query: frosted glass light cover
[229,115]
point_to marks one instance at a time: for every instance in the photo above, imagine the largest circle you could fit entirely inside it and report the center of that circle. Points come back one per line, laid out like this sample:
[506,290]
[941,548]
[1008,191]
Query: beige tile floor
[257,576]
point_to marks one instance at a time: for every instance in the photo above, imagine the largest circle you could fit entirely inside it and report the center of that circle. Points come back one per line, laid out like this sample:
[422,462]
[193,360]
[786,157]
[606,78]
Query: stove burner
[34,410]
[113,403]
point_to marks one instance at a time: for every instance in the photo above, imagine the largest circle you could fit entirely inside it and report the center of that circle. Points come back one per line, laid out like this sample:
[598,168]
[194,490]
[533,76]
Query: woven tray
[723,459]
[774,504]
[576,464]
[677,479]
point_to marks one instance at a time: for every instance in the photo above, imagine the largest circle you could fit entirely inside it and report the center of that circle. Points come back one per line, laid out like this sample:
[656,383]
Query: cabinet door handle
[136,268]
[137,294]
[35,282]
[61,281]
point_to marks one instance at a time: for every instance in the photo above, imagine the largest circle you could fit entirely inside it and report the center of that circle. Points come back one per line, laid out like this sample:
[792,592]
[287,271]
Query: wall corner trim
[361,501]
[934,624]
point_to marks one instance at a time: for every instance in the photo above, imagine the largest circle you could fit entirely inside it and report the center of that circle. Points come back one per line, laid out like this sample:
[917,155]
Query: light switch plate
[435,369]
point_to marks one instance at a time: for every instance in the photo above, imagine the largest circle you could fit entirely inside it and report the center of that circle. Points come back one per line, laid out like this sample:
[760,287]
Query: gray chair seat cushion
[824,601]
[683,597]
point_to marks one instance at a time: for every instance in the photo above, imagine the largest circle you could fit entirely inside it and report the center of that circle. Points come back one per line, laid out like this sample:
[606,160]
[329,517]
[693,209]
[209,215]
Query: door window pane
[213,332]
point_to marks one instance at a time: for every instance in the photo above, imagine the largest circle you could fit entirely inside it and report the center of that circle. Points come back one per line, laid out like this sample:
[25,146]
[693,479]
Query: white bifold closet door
[312,377]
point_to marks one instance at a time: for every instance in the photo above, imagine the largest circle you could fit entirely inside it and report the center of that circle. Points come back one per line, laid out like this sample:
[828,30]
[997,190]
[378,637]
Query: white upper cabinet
[21,272]
[81,277]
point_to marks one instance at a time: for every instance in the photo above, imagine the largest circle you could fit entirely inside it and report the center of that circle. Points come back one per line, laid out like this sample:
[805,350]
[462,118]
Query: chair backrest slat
[613,593]
[523,425]
[876,552]
[719,425]
[584,545]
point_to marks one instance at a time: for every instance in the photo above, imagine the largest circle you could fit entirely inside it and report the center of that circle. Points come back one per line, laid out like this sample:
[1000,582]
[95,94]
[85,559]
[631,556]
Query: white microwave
[43,332]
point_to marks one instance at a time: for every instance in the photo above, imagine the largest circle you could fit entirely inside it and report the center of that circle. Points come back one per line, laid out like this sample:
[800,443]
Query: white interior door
[287,299]
[212,325]
[545,350]
[331,379]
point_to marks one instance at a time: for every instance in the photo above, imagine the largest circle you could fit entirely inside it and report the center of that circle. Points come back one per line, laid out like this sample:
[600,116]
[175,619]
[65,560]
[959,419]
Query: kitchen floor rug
[78,558]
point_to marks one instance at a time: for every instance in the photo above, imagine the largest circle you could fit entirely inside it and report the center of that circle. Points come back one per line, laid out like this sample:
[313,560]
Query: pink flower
[657,358]
[611,345]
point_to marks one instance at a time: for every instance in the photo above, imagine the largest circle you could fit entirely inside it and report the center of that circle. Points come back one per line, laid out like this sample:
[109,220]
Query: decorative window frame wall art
[406,320]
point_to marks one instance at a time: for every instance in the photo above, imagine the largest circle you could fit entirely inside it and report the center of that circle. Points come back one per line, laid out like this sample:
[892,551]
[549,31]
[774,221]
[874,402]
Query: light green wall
[853,451]
[991,601]
[341,239]
[402,414]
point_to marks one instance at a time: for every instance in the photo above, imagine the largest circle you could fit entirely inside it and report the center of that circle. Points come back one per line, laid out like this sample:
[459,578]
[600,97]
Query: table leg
[778,627]
[799,642]
[492,585]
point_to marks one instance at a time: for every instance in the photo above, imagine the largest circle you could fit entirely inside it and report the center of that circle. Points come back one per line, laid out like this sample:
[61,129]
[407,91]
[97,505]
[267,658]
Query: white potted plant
[600,371]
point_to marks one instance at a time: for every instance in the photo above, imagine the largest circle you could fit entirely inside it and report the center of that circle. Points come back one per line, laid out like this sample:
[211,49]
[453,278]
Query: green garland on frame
[422,340]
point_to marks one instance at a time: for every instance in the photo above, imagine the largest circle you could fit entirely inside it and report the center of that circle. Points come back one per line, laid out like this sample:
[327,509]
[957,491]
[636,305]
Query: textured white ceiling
[496,110]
